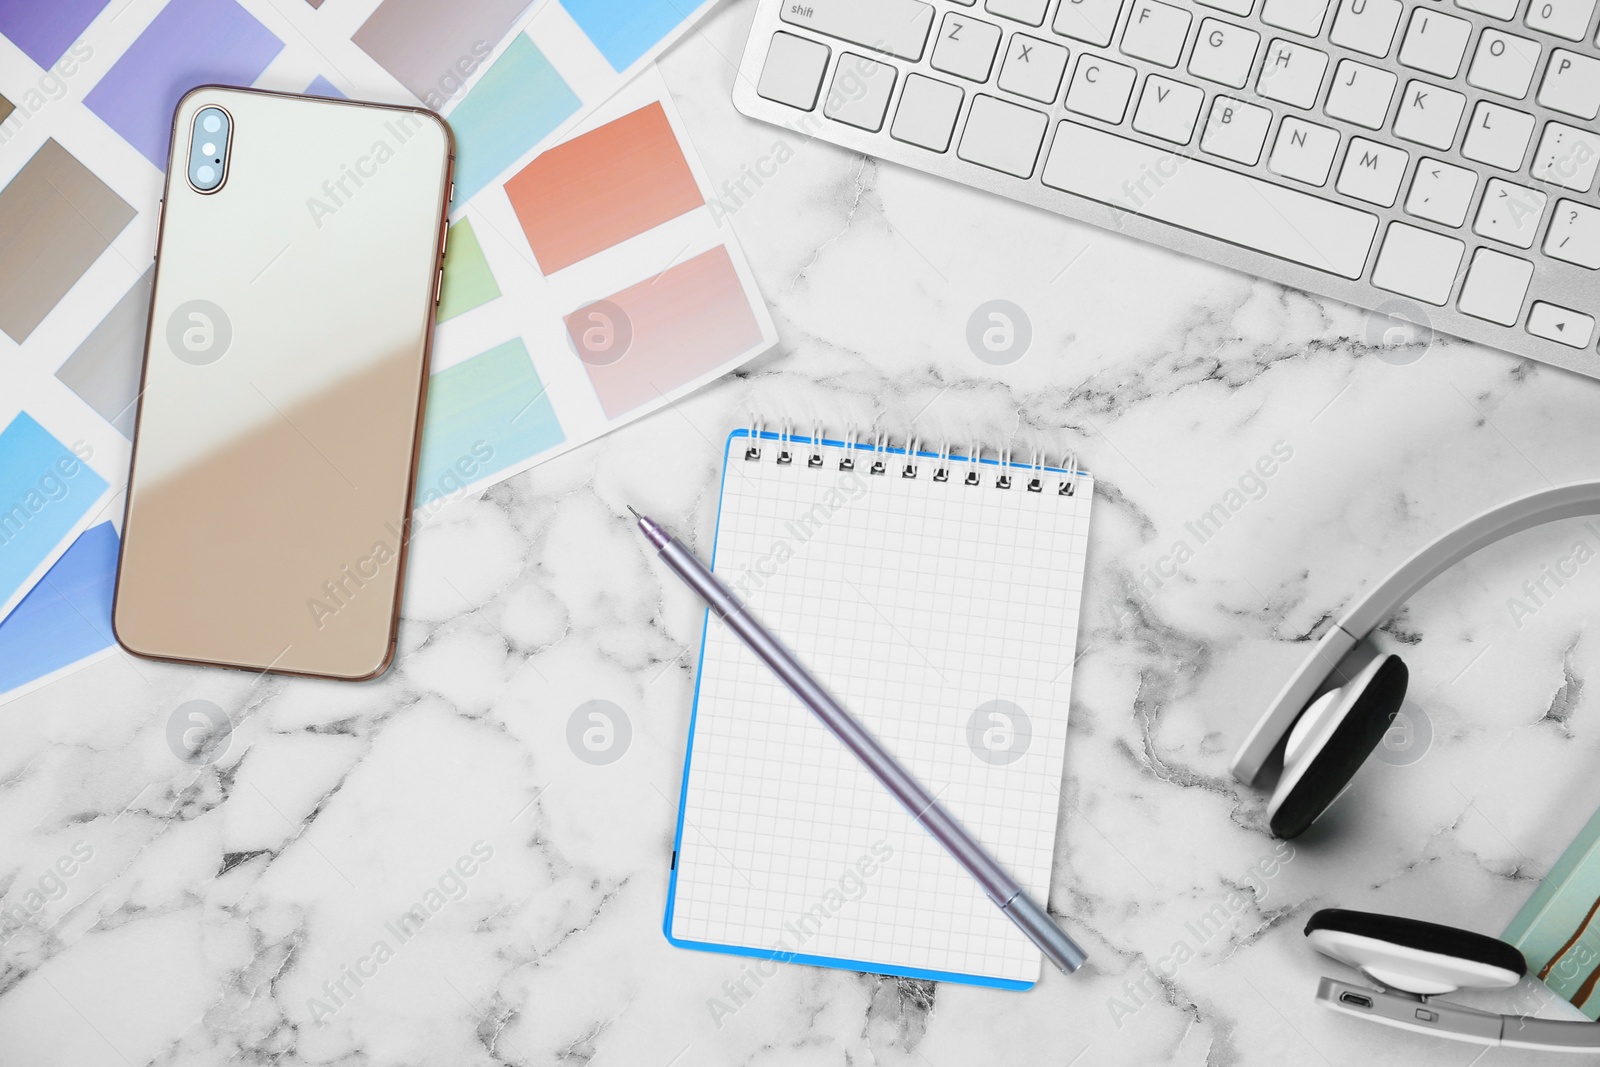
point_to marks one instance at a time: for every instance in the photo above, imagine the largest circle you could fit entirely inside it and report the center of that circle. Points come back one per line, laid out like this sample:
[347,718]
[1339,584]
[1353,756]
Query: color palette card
[589,287]
[568,58]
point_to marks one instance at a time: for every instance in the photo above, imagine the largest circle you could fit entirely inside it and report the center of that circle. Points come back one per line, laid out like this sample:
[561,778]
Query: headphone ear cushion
[1419,957]
[1316,780]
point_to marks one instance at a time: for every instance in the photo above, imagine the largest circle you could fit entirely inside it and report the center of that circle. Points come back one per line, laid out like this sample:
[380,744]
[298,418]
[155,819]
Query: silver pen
[997,882]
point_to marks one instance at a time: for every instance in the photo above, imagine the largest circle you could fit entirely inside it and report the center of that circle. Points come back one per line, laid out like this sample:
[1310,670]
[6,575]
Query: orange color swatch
[680,326]
[600,189]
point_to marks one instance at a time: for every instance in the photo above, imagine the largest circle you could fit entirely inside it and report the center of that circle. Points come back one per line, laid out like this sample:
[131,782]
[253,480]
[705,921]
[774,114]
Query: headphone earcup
[1337,734]
[1418,957]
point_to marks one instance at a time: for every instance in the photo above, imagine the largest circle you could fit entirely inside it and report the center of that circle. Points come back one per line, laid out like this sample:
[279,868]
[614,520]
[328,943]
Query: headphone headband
[1570,501]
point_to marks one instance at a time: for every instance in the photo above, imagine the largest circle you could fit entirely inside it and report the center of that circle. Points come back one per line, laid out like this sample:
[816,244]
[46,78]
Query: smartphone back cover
[285,367]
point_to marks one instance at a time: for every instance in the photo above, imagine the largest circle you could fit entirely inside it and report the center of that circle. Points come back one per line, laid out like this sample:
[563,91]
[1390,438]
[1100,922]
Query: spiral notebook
[937,596]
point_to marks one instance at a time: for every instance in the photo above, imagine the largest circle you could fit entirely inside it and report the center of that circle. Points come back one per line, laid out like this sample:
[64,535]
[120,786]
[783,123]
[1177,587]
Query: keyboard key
[1571,84]
[1574,234]
[793,71]
[1504,64]
[1033,68]
[1505,10]
[1232,7]
[1168,109]
[1509,213]
[1223,53]
[1429,115]
[1498,136]
[1567,157]
[898,27]
[1435,43]
[1029,11]
[1360,94]
[1090,21]
[1292,73]
[966,47]
[1556,323]
[1495,286]
[1235,130]
[1304,151]
[1418,263]
[1297,16]
[1100,89]
[927,113]
[1564,18]
[1002,136]
[860,93]
[1156,32]
[1233,207]
[1366,25]
[1441,192]
[1372,172]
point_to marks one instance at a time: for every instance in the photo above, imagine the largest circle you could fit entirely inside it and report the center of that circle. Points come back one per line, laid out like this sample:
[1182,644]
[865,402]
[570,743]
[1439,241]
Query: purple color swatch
[45,30]
[192,42]
[323,87]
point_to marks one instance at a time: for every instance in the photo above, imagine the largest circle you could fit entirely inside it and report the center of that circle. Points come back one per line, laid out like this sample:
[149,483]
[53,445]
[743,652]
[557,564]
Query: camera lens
[211,122]
[208,149]
[205,174]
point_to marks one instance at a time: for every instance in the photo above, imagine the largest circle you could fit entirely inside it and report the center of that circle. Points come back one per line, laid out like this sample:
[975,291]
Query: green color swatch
[467,282]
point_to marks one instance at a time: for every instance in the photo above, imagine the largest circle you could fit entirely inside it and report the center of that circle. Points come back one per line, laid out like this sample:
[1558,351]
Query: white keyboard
[1433,160]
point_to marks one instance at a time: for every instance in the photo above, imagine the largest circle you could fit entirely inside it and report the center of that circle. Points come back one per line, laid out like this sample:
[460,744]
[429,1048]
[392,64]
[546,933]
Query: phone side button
[438,285]
[161,207]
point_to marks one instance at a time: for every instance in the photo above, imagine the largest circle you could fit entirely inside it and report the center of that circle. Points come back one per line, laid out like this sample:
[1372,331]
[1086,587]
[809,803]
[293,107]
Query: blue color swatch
[483,416]
[44,491]
[514,106]
[624,30]
[67,616]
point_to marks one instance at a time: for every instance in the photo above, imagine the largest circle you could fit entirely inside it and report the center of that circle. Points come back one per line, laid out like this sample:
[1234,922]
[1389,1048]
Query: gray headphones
[1321,727]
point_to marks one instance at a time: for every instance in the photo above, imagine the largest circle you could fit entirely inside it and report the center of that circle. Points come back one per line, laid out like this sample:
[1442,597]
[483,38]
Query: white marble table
[228,912]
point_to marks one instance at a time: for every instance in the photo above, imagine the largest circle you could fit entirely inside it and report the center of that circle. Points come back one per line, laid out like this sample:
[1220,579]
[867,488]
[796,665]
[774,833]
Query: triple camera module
[209,140]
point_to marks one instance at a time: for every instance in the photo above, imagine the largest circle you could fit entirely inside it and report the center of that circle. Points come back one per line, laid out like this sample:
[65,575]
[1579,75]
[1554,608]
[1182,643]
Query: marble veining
[422,869]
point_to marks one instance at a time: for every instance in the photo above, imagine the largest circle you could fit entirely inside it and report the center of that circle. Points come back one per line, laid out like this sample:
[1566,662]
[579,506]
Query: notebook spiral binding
[880,452]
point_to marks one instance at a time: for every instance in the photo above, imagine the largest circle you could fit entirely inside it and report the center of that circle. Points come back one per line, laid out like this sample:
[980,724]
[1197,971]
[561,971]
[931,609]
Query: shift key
[897,27]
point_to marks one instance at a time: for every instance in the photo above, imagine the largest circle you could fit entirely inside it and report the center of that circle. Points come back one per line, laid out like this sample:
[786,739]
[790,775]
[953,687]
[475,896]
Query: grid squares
[915,602]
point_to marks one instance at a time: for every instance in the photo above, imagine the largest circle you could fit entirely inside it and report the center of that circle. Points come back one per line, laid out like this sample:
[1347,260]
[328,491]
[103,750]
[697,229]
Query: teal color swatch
[1558,930]
[44,490]
[624,30]
[514,106]
[483,416]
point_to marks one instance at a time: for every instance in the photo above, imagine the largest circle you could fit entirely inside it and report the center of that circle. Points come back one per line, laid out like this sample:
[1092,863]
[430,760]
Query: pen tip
[636,514]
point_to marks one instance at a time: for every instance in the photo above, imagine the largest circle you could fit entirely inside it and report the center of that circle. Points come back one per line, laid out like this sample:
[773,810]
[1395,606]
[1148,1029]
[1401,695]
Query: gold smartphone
[298,262]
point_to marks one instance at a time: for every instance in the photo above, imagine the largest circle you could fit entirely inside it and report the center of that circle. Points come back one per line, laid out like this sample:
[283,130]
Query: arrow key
[1563,325]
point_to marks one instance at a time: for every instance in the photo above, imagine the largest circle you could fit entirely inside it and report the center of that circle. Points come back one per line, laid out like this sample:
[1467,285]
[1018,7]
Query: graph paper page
[945,617]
